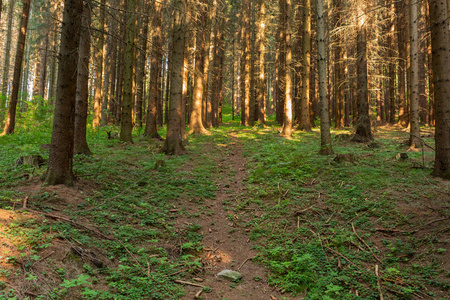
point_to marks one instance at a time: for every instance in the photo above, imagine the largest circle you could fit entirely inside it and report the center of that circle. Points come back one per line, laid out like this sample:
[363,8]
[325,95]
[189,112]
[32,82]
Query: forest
[224,149]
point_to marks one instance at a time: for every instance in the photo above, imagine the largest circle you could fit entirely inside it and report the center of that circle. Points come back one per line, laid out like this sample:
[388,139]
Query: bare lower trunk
[61,150]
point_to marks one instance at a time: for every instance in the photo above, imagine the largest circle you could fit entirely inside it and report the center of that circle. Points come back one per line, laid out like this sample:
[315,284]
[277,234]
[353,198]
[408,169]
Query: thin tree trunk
[325,137]
[126,121]
[440,43]
[7,51]
[363,125]
[98,89]
[140,65]
[11,117]
[173,143]
[414,139]
[305,120]
[287,116]
[151,129]
[81,107]
[262,63]
[61,151]
[401,42]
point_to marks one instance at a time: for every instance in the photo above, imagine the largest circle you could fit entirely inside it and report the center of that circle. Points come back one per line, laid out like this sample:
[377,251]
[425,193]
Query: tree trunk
[363,125]
[174,143]
[287,116]
[414,139]
[151,129]
[440,43]
[325,137]
[196,123]
[140,65]
[61,150]
[11,117]
[98,89]
[7,52]
[262,52]
[305,120]
[81,107]
[400,9]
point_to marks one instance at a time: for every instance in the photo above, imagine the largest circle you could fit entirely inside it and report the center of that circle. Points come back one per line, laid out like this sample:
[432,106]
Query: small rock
[230,275]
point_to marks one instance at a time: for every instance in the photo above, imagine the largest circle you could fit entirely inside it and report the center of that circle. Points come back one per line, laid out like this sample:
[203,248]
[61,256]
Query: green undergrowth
[316,223]
[315,220]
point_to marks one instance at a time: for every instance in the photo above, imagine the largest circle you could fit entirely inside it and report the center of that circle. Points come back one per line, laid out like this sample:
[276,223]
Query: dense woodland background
[99,98]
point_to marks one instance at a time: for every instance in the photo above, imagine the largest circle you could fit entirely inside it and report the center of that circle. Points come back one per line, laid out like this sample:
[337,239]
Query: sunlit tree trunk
[280,64]
[98,57]
[81,107]
[154,96]
[11,117]
[173,143]
[400,10]
[5,76]
[140,64]
[423,109]
[325,137]
[414,140]
[126,122]
[61,150]
[440,43]
[305,120]
[245,70]
[262,63]
[111,49]
[287,116]
[363,125]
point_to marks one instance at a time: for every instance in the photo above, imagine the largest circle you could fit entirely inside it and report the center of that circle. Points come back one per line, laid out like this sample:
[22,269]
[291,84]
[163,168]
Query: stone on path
[230,275]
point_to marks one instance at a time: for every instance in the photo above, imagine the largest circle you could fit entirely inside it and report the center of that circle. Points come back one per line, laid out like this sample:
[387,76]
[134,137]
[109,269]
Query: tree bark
[305,120]
[61,150]
[7,51]
[325,137]
[81,107]
[287,116]
[400,9]
[262,52]
[173,144]
[151,129]
[440,43]
[363,125]
[11,117]
[414,139]
[126,121]
[98,89]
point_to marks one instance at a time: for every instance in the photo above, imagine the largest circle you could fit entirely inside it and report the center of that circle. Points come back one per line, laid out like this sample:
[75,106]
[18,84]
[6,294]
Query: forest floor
[367,224]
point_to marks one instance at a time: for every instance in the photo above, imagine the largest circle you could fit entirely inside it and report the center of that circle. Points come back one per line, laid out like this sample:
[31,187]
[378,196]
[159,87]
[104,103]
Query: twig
[341,255]
[434,221]
[422,141]
[72,222]
[45,257]
[188,283]
[370,249]
[197,296]
[244,262]
[379,282]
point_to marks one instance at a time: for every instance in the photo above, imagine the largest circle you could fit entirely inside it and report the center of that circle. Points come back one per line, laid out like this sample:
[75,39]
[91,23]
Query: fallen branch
[45,257]
[73,223]
[379,282]
[370,249]
[188,283]
[197,296]
[341,255]
[244,262]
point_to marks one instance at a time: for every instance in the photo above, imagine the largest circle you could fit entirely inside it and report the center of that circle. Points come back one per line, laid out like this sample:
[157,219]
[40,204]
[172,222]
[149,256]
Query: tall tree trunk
[262,63]
[325,136]
[43,67]
[126,121]
[196,123]
[7,52]
[98,57]
[363,125]
[414,140]
[81,107]
[287,116]
[305,120]
[246,61]
[61,151]
[400,10]
[173,143]
[423,109]
[11,117]
[111,49]
[151,129]
[140,65]
[281,65]
[440,43]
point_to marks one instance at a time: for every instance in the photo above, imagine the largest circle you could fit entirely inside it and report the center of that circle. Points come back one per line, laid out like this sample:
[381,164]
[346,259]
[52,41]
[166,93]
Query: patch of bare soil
[37,273]
[227,246]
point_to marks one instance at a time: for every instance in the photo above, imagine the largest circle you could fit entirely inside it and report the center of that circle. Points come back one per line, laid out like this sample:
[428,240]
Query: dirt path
[227,246]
